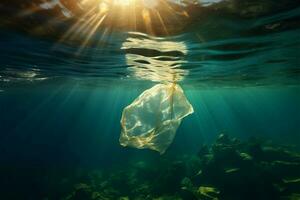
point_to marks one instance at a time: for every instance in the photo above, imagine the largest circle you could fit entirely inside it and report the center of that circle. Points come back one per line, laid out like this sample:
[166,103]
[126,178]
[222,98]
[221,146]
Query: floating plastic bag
[152,119]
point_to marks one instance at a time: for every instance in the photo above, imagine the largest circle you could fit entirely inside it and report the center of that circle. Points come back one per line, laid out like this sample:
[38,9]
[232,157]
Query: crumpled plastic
[152,119]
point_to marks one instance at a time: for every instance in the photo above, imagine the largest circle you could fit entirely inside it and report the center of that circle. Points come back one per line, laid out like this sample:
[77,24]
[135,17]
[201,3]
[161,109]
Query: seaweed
[228,169]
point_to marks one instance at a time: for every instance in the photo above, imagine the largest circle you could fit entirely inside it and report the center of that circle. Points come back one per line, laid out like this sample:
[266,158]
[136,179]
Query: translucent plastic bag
[152,119]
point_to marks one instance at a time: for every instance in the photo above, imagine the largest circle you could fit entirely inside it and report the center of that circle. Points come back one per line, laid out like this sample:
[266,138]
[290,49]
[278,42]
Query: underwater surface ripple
[220,52]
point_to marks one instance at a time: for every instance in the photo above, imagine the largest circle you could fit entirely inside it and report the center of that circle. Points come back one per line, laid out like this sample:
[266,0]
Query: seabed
[228,169]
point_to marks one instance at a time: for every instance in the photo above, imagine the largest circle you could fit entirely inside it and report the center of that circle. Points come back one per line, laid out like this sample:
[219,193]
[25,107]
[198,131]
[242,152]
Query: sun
[124,2]
[153,17]
[146,3]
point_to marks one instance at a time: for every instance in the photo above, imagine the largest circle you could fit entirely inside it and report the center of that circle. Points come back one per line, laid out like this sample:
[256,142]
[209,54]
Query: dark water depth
[62,97]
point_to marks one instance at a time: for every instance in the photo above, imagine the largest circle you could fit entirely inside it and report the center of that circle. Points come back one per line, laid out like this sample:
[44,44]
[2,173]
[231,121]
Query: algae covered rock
[169,179]
[208,193]
[241,170]
[293,196]
[151,121]
[82,191]
[225,170]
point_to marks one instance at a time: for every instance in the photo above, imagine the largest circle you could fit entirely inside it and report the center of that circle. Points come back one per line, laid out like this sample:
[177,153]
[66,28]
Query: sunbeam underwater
[149,99]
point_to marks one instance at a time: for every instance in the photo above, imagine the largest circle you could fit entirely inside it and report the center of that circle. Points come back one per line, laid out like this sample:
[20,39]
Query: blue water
[61,102]
[73,123]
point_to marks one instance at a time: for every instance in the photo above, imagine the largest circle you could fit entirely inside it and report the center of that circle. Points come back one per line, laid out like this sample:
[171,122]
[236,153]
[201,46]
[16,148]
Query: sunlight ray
[75,26]
[88,37]
[162,22]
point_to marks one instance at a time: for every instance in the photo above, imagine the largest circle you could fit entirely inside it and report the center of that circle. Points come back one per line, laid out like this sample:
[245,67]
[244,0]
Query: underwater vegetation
[228,169]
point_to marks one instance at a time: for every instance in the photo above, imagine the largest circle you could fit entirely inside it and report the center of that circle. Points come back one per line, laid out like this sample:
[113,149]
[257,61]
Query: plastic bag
[151,121]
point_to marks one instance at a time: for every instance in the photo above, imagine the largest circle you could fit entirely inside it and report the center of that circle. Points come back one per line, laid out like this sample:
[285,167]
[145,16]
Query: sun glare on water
[99,18]
[124,2]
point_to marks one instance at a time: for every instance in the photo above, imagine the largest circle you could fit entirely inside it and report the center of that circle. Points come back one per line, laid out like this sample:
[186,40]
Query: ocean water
[62,97]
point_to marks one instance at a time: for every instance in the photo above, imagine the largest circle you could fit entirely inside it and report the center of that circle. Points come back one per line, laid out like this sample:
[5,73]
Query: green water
[61,105]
